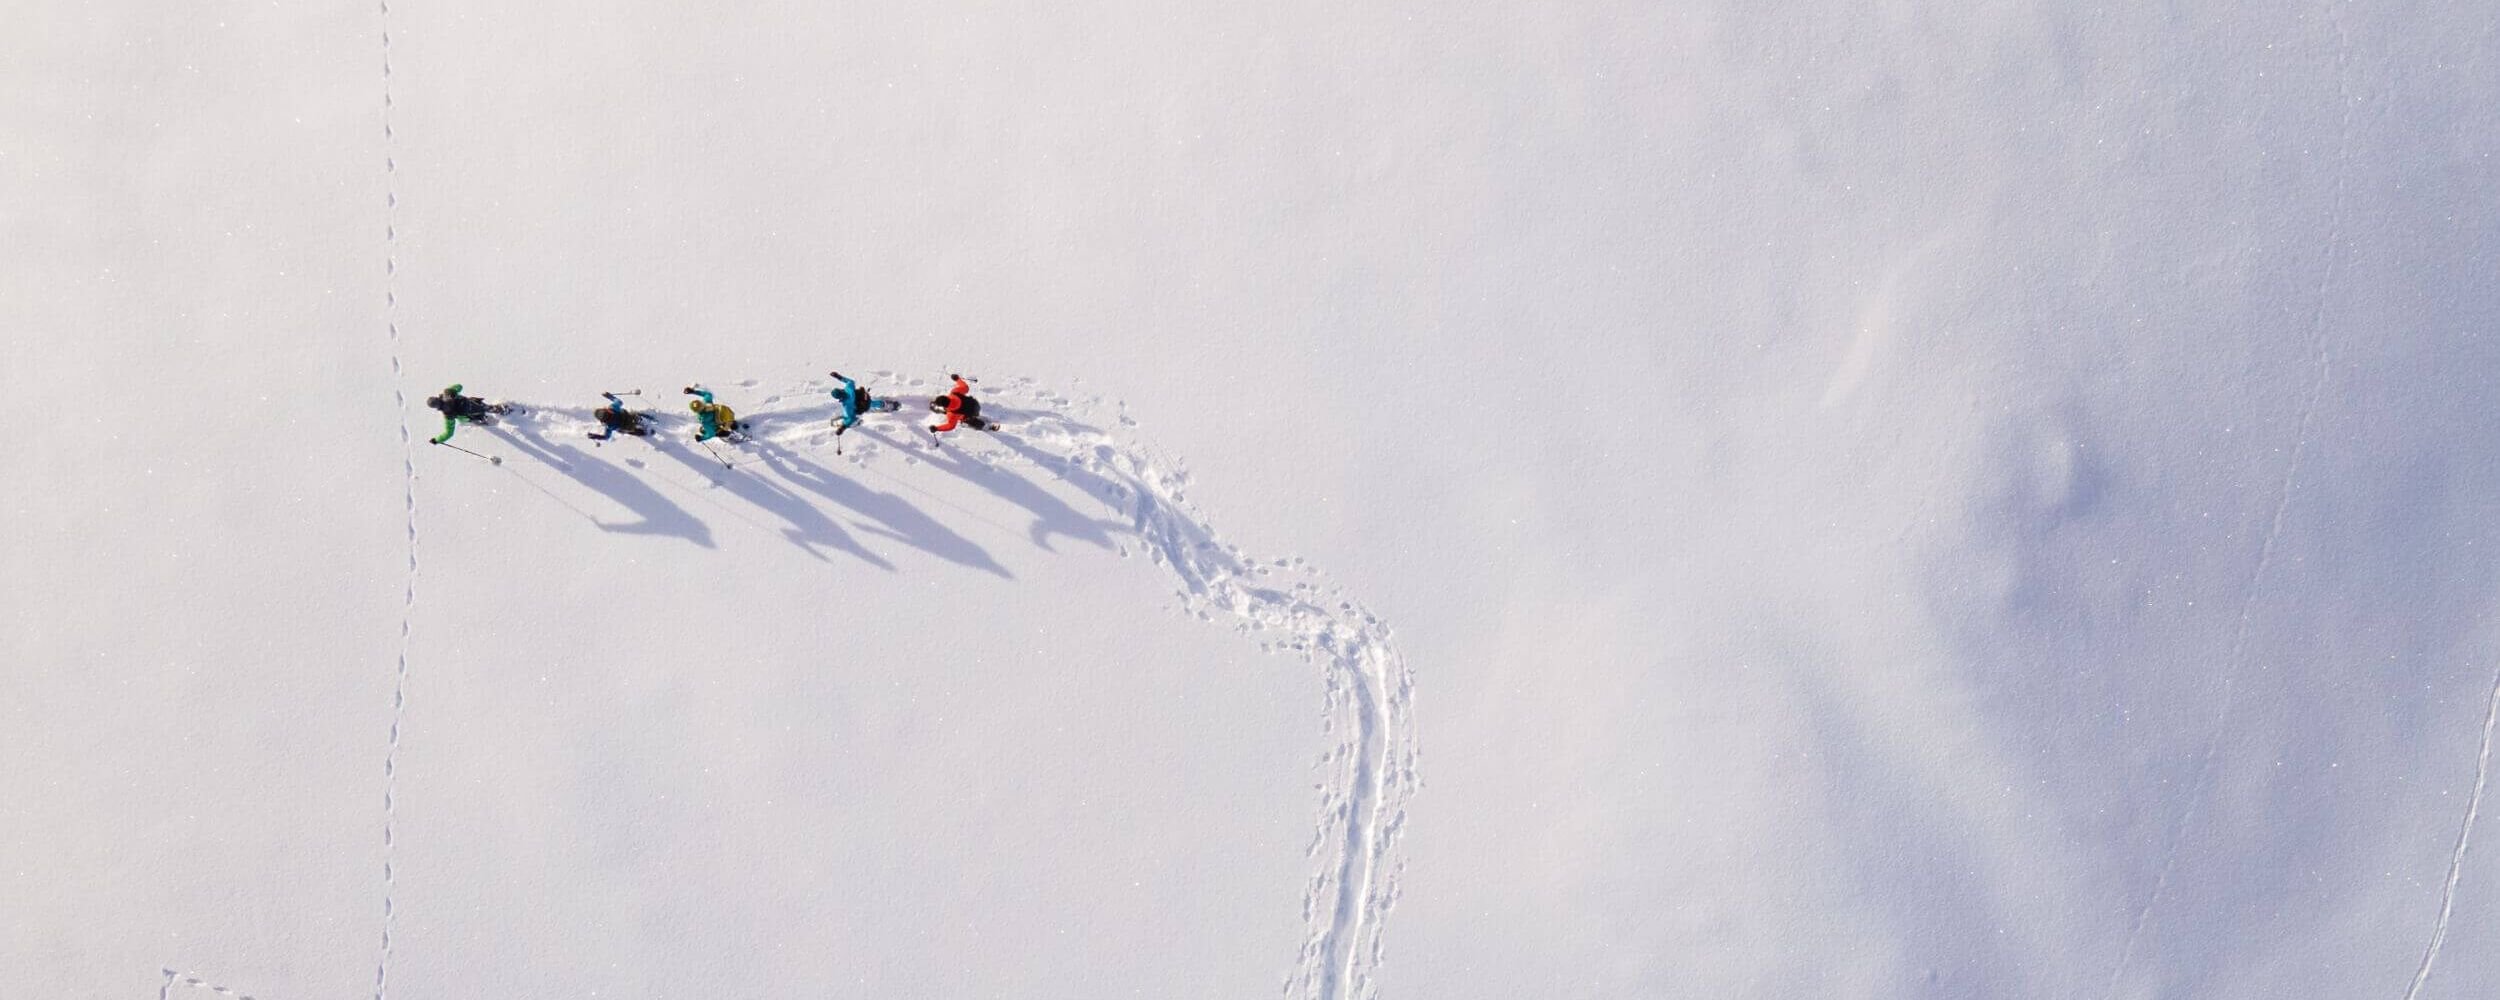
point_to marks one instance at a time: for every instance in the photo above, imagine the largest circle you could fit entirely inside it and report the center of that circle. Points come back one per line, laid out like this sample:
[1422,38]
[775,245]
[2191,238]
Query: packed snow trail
[1370,690]
[1369,770]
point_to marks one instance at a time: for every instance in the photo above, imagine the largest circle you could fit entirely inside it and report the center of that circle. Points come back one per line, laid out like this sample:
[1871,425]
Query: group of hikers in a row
[715,419]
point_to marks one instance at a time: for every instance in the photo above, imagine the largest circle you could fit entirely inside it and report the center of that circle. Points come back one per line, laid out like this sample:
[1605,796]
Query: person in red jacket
[959,408]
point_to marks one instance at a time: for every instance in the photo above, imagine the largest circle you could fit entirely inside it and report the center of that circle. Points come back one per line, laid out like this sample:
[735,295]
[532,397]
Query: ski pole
[490,459]
[707,446]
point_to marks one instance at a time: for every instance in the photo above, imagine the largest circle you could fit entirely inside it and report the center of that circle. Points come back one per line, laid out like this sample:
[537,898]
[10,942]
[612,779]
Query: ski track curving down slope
[2465,840]
[2321,348]
[1368,772]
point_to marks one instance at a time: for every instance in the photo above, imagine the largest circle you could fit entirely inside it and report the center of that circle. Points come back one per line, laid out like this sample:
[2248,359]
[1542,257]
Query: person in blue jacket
[856,401]
[717,421]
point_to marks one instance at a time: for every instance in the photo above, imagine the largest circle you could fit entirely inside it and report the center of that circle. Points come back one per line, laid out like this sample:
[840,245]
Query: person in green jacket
[456,407]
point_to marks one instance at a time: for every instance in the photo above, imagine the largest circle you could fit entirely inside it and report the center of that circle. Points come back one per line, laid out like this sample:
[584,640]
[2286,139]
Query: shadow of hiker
[898,519]
[658,515]
[1121,495]
[1128,484]
[1051,515]
[809,527]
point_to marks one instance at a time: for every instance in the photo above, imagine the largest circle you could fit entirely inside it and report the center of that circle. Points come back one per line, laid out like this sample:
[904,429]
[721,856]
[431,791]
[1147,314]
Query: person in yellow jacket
[716,420]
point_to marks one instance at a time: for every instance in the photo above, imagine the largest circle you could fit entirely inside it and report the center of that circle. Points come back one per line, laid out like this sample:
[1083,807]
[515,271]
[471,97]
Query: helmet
[695,404]
[435,402]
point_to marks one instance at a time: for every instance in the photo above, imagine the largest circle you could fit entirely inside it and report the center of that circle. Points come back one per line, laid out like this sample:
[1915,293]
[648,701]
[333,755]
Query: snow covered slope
[868,743]
[1876,500]
[1068,480]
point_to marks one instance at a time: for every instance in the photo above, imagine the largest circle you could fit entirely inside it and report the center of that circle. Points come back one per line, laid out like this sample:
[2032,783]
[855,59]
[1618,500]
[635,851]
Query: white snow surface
[1991,499]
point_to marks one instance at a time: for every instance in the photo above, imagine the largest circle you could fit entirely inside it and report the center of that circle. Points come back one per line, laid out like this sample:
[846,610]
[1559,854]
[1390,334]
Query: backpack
[972,408]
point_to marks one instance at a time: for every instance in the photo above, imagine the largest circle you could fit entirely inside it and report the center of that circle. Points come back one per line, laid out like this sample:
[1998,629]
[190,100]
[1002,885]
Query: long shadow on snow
[1172,535]
[659,516]
[897,519]
[809,528]
[1051,515]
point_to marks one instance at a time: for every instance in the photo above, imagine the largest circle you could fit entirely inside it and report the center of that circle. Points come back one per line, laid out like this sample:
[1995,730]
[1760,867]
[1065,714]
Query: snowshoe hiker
[855,401]
[615,417]
[959,408]
[718,421]
[456,407]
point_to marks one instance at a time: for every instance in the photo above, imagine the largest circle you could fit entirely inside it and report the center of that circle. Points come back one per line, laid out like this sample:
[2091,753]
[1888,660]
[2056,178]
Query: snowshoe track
[408,460]
[1368,774]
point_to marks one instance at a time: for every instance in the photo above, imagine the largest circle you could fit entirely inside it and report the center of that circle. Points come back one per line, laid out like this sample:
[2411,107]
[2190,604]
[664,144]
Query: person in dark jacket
[614,418]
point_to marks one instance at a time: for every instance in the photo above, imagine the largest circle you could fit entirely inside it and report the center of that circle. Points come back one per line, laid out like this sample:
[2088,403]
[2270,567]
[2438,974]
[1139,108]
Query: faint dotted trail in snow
[193,982]
[2320,348]
[2465,838]
[408,457]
